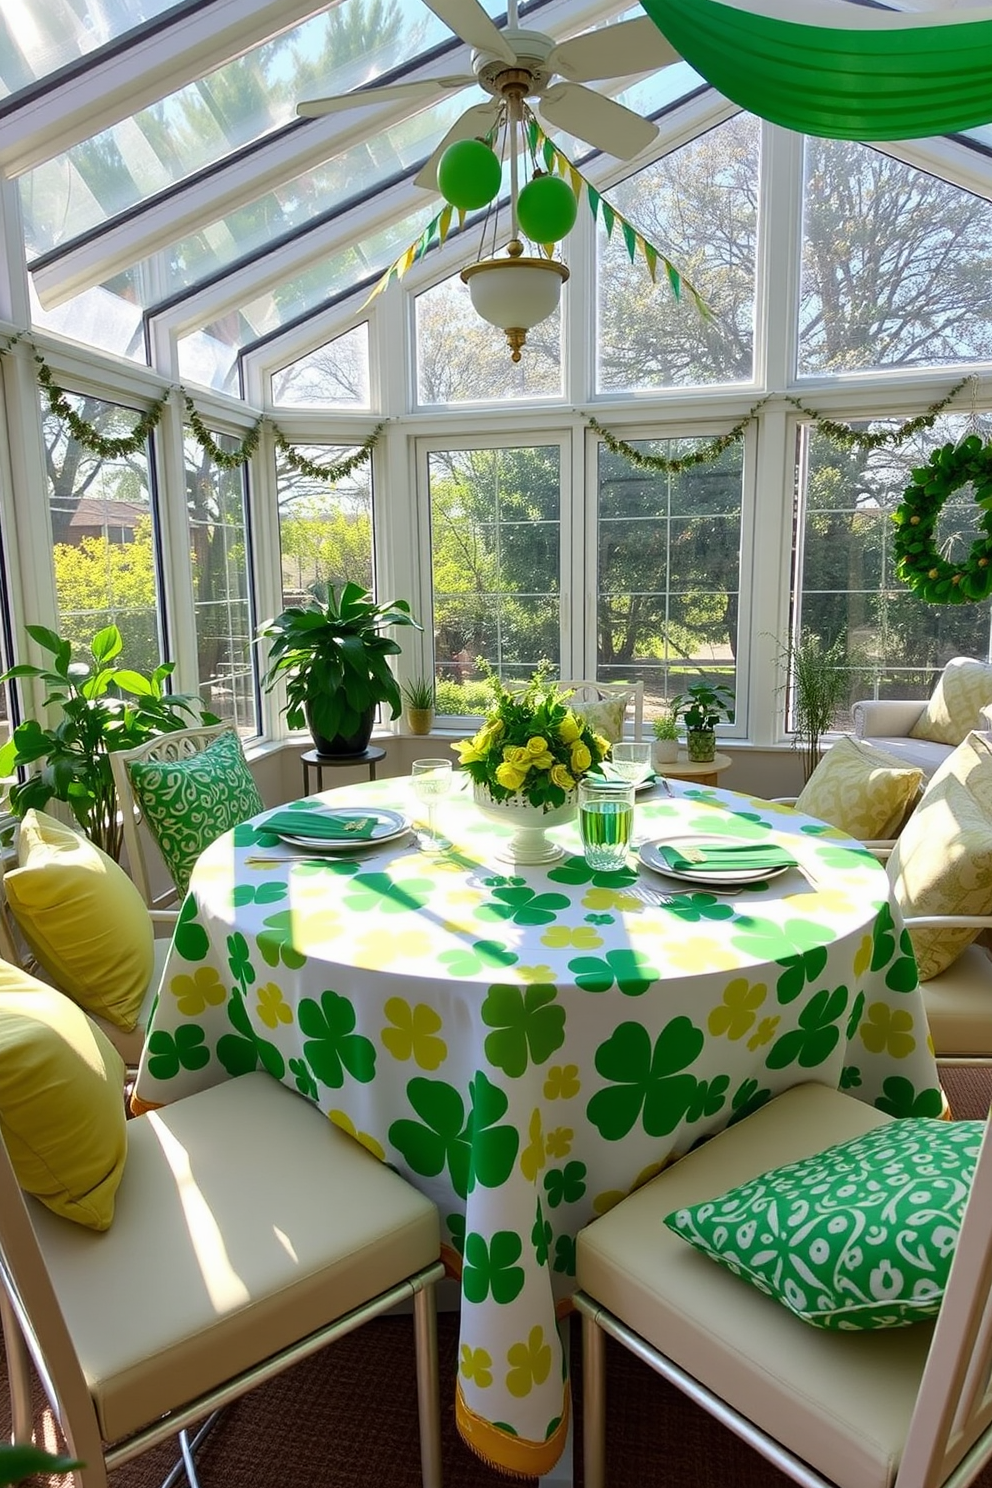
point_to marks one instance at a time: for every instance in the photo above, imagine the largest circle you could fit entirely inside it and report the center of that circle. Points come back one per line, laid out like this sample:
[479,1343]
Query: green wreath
[918,562]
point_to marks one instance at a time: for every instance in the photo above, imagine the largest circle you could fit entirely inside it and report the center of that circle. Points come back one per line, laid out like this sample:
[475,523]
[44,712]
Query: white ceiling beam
[130,79]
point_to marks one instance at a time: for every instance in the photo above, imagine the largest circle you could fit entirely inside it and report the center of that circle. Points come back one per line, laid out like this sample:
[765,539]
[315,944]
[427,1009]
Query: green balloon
[469,174]
[546,209]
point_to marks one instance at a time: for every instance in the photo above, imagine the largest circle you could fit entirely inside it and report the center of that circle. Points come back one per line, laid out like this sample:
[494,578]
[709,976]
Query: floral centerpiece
[526,761]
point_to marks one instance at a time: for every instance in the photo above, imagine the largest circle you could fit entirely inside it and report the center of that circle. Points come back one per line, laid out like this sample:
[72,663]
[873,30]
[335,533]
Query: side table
[707,773]
[313,760]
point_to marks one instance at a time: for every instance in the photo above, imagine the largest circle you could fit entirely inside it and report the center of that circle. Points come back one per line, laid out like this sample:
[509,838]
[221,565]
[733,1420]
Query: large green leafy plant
[332,655]
[103,707]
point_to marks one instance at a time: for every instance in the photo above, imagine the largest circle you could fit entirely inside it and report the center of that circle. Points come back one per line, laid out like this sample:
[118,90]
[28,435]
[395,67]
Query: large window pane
[218,539]
[698,206]
[325,531]
[496,567]
[847,586]
[333,376]
[102,547]
[668,570]
[463,359]
[894,266]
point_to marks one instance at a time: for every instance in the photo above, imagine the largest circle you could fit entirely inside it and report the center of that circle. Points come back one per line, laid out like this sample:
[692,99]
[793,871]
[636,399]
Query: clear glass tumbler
[631,760]
[606,822]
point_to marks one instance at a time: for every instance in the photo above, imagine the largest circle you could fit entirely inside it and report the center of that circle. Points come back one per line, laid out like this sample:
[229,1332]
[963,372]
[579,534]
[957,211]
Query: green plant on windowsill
[103,707]
[666,733]
[820,676]
[418,694]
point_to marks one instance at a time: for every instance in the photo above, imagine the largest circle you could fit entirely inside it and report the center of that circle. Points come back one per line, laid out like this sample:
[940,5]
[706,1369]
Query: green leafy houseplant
[821,680]
[419,697]
[103,707]
[701,707]
[665,726]
[332,656]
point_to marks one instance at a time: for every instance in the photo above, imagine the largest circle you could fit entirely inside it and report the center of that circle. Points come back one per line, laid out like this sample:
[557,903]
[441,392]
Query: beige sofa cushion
[860,789]
[963,690]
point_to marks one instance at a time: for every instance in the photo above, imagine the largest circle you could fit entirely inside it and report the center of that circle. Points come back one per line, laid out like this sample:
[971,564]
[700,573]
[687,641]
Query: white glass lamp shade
[515,293]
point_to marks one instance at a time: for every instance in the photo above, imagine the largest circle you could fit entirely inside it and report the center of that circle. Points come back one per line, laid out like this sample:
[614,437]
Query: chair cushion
[860,1235]
[189,803]
[83,918]
[246,1251]
[840,1400]
[605,718]
[942,865]
[963,690]
[860,789]
[958,1004]
[61,1101]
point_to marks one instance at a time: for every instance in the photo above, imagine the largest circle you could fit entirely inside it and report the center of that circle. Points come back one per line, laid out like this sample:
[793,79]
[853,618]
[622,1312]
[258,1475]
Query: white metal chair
[235,1264]
[182,744]
[899,1408]
[630,693]
[958,1000]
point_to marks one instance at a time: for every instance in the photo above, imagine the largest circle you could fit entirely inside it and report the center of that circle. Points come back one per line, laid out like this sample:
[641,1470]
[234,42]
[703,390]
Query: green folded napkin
[337,826]
[596,775]
[726,857]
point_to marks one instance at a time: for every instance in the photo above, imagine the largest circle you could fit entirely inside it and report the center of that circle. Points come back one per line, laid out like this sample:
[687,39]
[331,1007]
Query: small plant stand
[707,773]
[312,759]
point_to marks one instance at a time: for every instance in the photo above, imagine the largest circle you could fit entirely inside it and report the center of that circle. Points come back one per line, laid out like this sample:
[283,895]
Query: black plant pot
[344,746]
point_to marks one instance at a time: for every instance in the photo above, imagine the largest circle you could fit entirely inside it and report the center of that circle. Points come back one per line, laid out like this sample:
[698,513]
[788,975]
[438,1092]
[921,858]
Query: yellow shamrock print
[888,1030]
[476,1365]
[764,1033]
[559,1141]
[583,937]
[534,974]
[701,953]
[736,1013]
[607,1200]
[316,927]
[383,950]
[609,899]
[194,994]
[273,1008]
[562,1082]
[344,1121]
[862,956]
[531,1363]
[413,1033]
[532,1157]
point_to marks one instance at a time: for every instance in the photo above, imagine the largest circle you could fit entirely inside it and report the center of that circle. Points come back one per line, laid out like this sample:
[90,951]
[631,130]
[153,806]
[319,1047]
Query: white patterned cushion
[860,789]
[604,718]
[963,690]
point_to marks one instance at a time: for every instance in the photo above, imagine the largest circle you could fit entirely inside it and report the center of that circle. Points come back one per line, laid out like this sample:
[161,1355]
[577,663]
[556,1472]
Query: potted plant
[820,677]
[701,707]
[332,656]
[103,707]
[666,733]
[419,696]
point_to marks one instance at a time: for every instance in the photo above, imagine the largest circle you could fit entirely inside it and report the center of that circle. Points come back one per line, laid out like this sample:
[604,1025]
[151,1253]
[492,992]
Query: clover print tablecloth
[527,1046]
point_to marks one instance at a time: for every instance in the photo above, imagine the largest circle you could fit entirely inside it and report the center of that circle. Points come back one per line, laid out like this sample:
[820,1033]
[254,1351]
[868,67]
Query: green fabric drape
[878,76]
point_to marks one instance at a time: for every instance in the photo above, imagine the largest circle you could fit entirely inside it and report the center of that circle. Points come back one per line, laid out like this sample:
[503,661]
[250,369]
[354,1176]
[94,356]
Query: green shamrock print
[540,1237]
[522,905]
[902,974]
[305,1082]
[492,1268]
[332,1046]
[269,892]
[855,1018]
[475,1150]
[645,1079]
[817,1036]
[456,1229]
[631,971]
[275,942]
[708,1098]
[527,1022]
[599,919]
[169,1053]
[245,835]
[577,871]
[565,1255]
[377,891]
[484,953]
[798,946]
[744,824]
[748,1097]
[565,1185]
[190,939]
[239,959]
[692,907]
[242,1051]
[850,1078]
[900,1098]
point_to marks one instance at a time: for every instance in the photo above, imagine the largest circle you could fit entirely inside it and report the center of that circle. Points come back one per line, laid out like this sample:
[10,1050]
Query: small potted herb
[666,732]
[701,707]
[418,695]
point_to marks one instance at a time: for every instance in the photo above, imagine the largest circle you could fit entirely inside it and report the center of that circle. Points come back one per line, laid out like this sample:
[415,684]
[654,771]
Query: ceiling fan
[527,63]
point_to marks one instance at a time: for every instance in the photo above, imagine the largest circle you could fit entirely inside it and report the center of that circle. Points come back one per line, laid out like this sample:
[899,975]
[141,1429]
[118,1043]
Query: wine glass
[431,779]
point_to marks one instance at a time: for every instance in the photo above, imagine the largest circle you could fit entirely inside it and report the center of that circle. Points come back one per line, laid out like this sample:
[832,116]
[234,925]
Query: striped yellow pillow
[862,790]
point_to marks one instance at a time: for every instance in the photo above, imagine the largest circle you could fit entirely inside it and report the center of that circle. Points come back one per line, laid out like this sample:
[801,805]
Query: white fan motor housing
[533,49]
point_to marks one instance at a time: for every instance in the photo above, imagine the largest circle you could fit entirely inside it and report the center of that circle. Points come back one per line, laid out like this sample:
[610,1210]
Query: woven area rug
[348,1417]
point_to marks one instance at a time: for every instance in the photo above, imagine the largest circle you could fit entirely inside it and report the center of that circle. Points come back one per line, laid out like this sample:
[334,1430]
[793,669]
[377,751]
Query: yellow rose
[560,776]
[510,777]
[581,758]
[603,745]
[496,725]
[537,745]
[568,729]
[543,761]
[517,756]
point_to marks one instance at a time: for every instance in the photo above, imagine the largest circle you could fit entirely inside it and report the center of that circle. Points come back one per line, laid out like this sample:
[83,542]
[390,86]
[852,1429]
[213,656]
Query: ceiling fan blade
[315,108]
[469,21]
[613,51]
[474,121]
[597,120]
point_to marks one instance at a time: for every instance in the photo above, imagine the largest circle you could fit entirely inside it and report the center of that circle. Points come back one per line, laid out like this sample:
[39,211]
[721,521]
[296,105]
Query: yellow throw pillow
[862,790]
[963,690]
[82,917]
[971,764]
[61,1101]
[942,865]
[604,718]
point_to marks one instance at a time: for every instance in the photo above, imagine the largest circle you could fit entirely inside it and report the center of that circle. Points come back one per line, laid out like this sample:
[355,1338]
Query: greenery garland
[919,564]
[708,452]
[83,431]
[329,473]
[226,459]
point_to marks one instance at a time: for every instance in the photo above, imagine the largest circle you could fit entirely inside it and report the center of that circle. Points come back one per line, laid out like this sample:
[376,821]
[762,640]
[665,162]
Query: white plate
[642,785]
[389,824]
[648,854]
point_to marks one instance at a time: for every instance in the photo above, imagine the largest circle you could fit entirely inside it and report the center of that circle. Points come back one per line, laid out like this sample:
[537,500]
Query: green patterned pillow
[859,1236]
[189,803]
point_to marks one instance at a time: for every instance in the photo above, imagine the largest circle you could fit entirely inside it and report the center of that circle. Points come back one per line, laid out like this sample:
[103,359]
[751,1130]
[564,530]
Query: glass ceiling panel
[37,37]
[197,127]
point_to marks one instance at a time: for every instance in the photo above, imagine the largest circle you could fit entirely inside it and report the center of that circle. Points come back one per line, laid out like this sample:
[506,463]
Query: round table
[526,1046]
[702,772]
